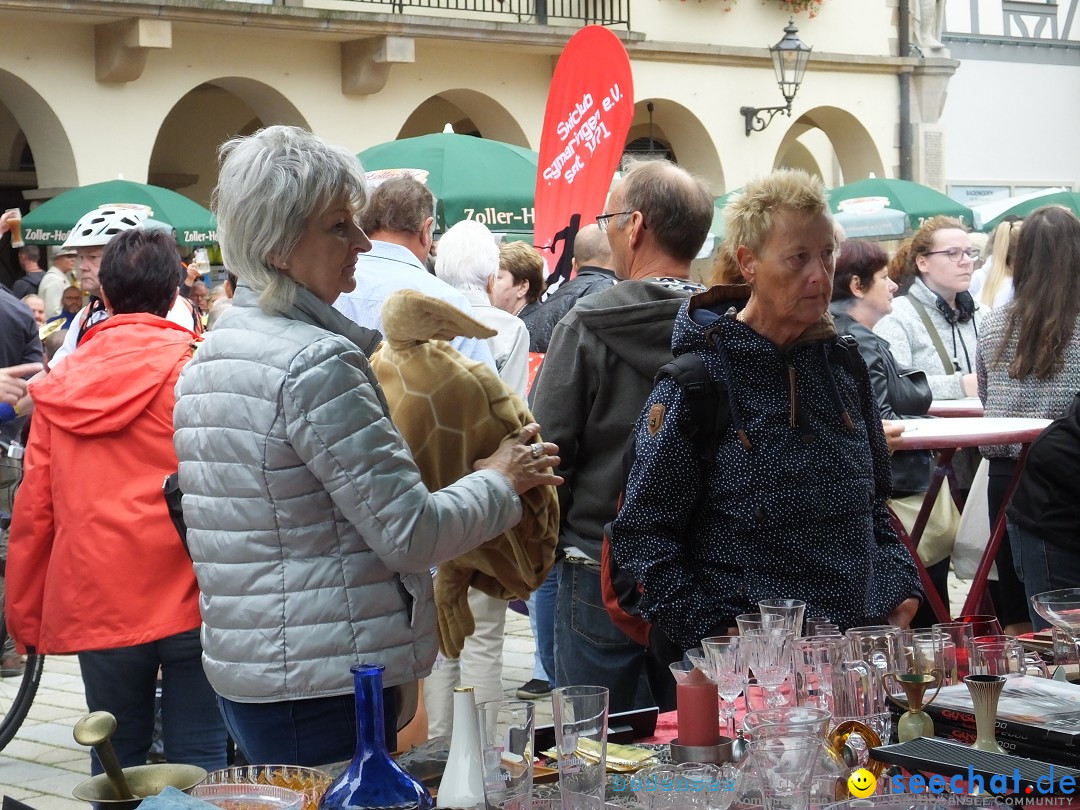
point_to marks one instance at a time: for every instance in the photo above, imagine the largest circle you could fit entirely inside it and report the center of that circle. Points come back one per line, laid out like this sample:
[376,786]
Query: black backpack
[709,416]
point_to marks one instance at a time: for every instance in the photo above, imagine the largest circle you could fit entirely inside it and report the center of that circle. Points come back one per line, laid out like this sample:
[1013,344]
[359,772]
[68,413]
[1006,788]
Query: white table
[967,406]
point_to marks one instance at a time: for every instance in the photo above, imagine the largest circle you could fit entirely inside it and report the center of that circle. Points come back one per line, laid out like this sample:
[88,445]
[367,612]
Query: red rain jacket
[94,561]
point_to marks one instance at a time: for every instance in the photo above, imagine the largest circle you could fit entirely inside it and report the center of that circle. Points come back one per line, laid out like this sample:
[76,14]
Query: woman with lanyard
[935,325]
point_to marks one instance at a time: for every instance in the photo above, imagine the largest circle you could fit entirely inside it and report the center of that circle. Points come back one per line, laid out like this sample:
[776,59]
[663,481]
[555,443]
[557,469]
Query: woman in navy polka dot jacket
[793,503]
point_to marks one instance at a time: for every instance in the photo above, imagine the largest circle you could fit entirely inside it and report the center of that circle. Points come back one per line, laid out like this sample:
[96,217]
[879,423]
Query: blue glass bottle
[373,780]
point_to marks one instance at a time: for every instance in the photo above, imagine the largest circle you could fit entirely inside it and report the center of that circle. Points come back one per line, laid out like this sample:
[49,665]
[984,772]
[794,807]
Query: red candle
[698,710]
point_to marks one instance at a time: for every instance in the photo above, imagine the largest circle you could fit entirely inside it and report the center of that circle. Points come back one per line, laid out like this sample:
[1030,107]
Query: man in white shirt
[399,219]
[59,276]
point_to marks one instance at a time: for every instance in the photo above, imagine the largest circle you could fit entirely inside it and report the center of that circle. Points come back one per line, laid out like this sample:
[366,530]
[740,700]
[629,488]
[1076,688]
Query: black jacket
[27,285]
[541,321]
[1047,497]
[900,393]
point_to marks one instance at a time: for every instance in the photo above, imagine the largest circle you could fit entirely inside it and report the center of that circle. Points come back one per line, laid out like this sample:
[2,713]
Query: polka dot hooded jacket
[794,503]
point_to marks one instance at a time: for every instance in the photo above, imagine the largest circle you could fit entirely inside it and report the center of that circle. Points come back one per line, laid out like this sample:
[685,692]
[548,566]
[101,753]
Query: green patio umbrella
[919,202]
[719,204]
[1067,199]
[49,223]
[472,178]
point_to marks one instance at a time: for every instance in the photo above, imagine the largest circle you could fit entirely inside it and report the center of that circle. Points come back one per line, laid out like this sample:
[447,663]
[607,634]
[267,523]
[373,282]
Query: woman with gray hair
[468,260]
[311,532]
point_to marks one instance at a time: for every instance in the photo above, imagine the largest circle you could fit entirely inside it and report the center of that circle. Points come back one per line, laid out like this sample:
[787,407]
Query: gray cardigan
[913,347]
[1004,396]
[311,532]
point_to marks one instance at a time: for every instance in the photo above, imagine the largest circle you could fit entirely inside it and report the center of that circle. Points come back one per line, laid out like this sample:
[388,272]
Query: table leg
[930,592]
[977,592]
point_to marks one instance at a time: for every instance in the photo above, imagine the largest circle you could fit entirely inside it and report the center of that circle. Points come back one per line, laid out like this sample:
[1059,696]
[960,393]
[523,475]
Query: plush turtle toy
[453,411]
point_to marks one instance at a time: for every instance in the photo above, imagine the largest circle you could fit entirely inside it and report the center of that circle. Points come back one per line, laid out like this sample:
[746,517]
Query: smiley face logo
[861,783]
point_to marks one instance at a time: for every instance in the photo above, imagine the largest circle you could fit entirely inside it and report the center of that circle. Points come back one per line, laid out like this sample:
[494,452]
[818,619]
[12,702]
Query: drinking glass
[728,669]
[1064,650]
[1061,608]
[790,610]
[960,633]
[768,654]
[1003,655]
[580,715]
[982,624]
[506,749]
[878,645]
[821,626]
[817,663]
[758,621]
[786,768]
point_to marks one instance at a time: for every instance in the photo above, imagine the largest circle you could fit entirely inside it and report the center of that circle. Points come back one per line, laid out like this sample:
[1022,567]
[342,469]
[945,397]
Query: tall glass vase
[373,780]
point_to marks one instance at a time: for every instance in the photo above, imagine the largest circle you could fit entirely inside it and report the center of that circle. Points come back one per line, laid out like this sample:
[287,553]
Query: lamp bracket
[756,121]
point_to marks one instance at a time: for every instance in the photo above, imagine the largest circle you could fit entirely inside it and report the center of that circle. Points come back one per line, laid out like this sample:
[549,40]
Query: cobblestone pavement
[43,763]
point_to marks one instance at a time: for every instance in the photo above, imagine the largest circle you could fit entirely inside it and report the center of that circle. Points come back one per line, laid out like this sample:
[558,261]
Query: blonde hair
[749,218]
[1003,247]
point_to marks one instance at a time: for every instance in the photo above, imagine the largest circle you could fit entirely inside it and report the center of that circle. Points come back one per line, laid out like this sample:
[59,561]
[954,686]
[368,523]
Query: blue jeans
[1043,566]
[542,620]
[123,681]
[589,649]
[312,732]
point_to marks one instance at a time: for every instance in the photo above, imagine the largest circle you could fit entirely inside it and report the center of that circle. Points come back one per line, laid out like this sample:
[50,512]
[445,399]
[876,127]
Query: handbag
[938,537]
[174,501]
[909,391]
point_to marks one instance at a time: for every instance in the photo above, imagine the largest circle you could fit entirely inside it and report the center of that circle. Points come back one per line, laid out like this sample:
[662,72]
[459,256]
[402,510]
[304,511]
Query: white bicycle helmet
[102,224]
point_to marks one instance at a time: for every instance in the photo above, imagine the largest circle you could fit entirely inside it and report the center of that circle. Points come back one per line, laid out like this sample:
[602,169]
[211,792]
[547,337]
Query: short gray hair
[467,256]
[270,185]
[674,204]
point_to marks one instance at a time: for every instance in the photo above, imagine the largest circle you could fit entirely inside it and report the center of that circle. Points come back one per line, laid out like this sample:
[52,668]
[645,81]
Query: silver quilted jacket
[311,532]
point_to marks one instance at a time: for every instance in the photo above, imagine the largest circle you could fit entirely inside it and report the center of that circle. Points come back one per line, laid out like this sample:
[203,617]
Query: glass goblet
[727,667]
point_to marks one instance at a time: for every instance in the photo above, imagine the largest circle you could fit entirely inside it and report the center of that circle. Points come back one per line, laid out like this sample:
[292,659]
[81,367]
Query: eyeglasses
[955,254]
[603,219]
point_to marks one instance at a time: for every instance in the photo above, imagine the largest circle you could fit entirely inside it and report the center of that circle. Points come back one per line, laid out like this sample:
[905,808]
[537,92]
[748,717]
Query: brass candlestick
[914,722]
[985,691]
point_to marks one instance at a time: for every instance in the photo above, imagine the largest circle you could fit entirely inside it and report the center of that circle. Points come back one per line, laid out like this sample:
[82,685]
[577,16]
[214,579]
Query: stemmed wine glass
[727,668]
[767,642]
[1062,609]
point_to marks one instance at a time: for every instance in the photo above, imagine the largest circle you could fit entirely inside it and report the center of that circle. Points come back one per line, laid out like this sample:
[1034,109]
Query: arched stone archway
[798,156]
[184,156]
[29,119]
[854,151]
[468,112]
[684,133]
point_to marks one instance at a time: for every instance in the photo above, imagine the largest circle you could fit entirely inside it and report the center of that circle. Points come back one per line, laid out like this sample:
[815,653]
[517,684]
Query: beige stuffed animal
[453,411]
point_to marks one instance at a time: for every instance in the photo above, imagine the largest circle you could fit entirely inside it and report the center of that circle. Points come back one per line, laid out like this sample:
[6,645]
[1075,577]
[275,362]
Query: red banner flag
[589,109]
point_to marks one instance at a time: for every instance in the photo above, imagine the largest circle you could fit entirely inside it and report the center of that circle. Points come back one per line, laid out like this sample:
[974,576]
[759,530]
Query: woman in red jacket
[95,566]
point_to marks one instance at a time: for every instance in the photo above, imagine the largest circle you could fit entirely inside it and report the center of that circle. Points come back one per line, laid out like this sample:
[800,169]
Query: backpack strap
[709,409]
[946,361]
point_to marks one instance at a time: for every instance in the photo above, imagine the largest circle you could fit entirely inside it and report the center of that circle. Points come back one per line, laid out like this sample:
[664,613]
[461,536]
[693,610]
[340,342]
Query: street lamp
[790,56]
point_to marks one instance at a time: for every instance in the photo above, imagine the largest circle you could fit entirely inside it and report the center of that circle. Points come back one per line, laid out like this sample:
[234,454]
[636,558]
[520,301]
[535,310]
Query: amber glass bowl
[310,783]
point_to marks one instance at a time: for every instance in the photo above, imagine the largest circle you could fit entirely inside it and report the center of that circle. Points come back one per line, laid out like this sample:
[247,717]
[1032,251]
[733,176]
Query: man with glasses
[596,376]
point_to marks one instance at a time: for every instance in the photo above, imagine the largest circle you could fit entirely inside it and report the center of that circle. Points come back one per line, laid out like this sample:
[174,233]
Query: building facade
[96,89]
[1014,104]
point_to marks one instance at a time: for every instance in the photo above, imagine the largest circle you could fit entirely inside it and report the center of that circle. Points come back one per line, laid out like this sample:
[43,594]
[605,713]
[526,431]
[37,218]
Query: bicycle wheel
[17,691]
